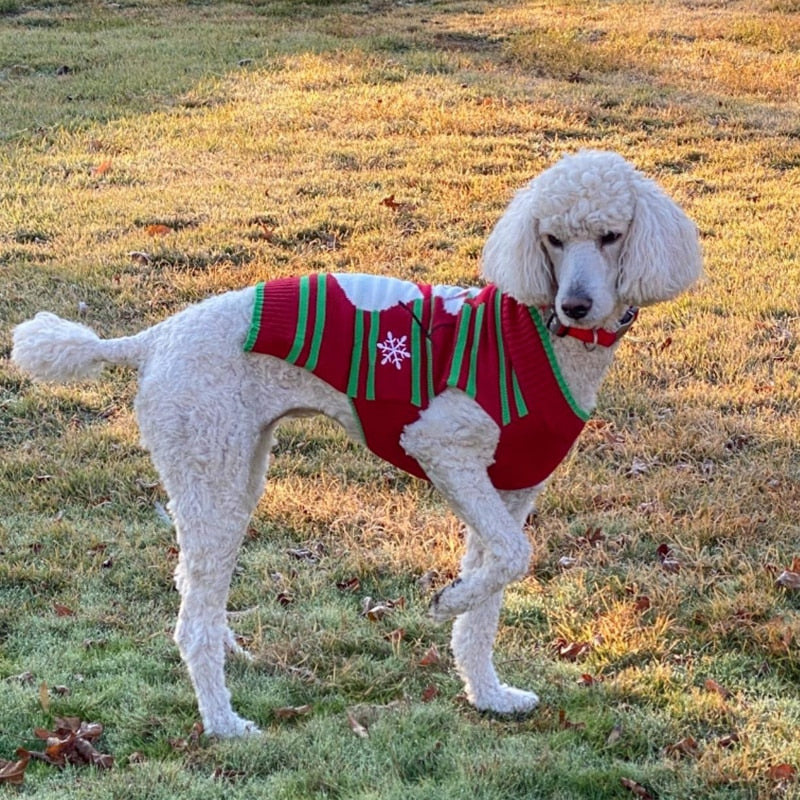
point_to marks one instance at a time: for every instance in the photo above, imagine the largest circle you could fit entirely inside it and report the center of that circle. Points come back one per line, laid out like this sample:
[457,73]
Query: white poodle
[505,378]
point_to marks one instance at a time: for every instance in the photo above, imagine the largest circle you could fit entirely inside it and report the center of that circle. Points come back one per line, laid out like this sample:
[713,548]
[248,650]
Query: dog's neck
[583,360]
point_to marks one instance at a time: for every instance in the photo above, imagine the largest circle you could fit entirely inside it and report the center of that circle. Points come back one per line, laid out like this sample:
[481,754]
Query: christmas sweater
[391,346]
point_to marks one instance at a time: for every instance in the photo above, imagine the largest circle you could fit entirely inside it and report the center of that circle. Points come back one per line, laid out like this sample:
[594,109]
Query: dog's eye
[609,238]
[554,241]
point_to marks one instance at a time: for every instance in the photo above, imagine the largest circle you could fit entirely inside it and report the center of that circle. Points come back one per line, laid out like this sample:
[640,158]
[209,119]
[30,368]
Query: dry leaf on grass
[642,603]
[102,169]
[394,205]
[158,230]
[571,651]
[429,693]
[357,728]
[292,712]
[566,724]
[375,611]
[667,558]
[396,636]
[788,579]
[782,772]
[14,771]
[71,742]
[191,741]
[431,657]
[685,747]
[637,788]
[731,740]
[712,686]
[349,585]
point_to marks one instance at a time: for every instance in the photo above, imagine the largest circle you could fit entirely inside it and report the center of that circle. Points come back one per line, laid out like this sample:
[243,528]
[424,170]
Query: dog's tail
[56,350]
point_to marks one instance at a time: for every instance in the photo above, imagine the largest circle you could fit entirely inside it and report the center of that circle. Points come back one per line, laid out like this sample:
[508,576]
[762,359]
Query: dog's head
[591,236]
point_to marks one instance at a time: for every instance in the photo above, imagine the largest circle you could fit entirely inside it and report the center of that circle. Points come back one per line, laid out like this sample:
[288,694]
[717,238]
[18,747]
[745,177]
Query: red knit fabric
[392,362]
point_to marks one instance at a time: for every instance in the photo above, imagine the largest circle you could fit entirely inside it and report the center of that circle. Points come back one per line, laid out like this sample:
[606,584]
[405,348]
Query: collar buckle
[628,318]
[555,326]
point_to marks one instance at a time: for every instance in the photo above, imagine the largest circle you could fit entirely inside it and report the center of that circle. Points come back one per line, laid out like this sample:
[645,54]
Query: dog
[575,255]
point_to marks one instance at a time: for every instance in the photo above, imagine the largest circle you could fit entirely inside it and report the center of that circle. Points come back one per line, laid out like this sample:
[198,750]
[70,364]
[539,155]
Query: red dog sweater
[392,346]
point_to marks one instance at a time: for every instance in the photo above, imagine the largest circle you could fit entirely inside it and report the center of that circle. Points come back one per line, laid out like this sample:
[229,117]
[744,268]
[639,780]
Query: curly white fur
[588,237]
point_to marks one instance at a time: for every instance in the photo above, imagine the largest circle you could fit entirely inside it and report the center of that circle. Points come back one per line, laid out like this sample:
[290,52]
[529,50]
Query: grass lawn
[154,153]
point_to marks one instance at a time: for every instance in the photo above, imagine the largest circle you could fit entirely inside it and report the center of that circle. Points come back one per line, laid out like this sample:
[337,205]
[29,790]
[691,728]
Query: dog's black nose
[576,307]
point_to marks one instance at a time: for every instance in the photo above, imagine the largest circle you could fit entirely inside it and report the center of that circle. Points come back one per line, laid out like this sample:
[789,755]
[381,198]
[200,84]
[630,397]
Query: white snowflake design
[394,350]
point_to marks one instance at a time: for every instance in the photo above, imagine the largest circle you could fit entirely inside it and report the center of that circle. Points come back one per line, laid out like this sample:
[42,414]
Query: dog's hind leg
[255,488]
[213,486]
[474,631]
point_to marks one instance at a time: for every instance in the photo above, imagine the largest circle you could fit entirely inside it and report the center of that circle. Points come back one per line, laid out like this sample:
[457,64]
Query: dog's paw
[448,602]
[503,699]
[232,727]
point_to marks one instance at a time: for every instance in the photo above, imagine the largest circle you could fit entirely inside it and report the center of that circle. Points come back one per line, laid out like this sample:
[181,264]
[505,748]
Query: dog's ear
[661,254]
[513,257]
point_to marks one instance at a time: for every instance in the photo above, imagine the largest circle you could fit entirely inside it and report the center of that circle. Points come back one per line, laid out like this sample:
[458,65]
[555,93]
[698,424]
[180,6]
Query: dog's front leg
[454,441]
[474,631]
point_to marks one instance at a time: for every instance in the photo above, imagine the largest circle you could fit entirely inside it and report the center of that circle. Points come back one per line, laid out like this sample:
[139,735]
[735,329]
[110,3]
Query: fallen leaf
[788,579]
[731,740]
[685,747]
[158,230]
[62,610]
[285,598]
[642,603]
[101,169]
[667,558]
[390,202]
[13,772]
[566,724]
[357,728]
[306,553]
[378,612]
[431,657]
[350,585]
[266,232]
[587,680]
[571,651]
[593,537]
[71,742]
[782,772]
[636,788]
[712,686]
[396,636]
[638,467]
[291,712]
[429,693]
[138,257]
[664,551]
